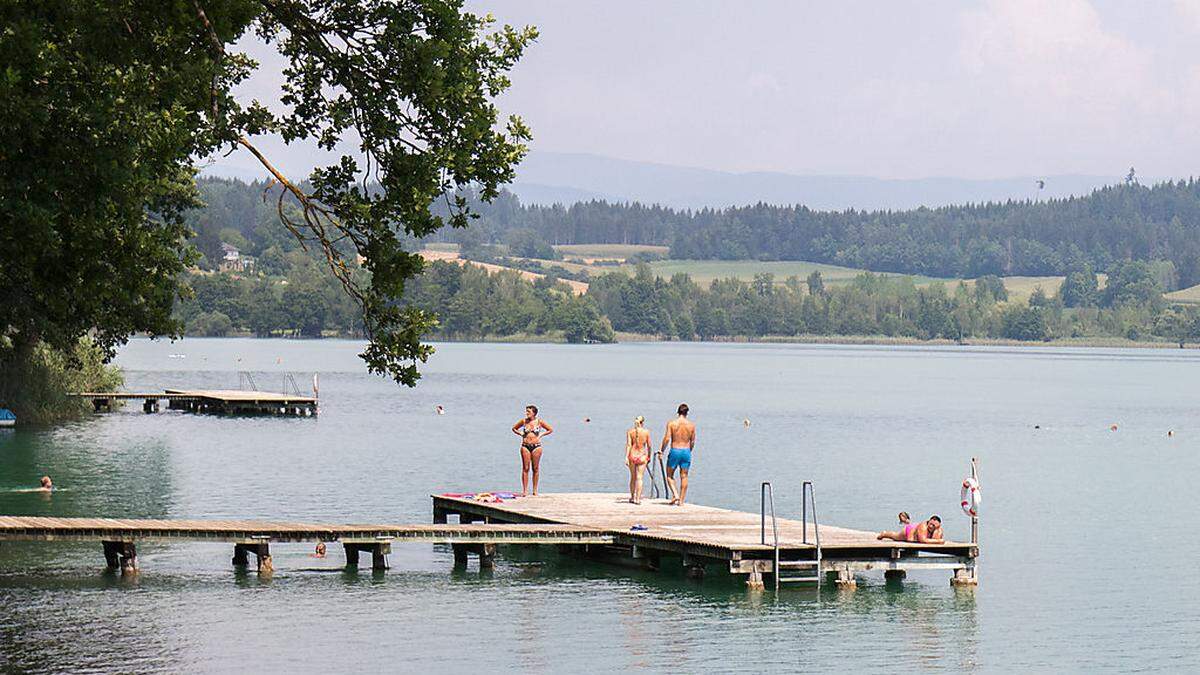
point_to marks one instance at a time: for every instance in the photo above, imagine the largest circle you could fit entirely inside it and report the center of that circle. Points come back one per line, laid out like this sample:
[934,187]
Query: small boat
[7,418]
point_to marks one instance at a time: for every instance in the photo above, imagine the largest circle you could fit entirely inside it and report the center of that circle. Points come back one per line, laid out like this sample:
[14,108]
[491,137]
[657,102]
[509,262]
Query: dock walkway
[596,525]
[119,536]
[704,536]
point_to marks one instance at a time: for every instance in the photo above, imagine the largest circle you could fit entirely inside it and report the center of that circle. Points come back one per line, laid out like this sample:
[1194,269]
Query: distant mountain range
[551,177]
[548,177]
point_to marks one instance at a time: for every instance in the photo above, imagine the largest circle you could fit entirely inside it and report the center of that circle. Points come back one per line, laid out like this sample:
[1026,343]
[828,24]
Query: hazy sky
[888,89]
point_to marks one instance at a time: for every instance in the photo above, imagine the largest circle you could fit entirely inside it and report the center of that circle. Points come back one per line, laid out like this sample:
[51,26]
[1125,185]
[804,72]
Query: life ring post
[975,518]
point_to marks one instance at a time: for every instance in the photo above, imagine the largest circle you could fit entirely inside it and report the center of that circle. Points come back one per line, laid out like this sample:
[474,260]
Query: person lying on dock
[47,484]
[906,528]
[925,532]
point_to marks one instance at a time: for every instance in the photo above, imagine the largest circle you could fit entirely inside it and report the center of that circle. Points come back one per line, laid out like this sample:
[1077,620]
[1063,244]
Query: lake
[1086,533]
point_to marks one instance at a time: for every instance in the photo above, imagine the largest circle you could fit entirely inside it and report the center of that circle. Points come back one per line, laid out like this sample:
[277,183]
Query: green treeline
[469,302]
[1045,238]
[873,305]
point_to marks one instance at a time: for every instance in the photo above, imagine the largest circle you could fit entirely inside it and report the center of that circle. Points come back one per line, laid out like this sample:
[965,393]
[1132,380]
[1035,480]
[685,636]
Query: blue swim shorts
[680,458]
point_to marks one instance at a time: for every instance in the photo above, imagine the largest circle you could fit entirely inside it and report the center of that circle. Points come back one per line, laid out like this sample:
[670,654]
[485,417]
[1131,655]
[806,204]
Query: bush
[210,324]
[35,384]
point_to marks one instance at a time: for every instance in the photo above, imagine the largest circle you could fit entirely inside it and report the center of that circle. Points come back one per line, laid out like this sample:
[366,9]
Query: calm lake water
[1087,535]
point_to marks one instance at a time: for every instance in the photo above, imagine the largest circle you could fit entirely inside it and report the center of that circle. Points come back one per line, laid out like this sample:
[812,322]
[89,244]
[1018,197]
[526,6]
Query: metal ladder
[802,571]
[244,378]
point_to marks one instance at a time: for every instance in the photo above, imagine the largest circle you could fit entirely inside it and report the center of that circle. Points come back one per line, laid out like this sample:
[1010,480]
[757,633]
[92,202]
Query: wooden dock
[651,535]
[703,537]
[119,536]
[219,401]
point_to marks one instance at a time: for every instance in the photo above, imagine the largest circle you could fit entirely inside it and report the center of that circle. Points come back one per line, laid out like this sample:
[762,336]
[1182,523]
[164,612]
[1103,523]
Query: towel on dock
[487,497]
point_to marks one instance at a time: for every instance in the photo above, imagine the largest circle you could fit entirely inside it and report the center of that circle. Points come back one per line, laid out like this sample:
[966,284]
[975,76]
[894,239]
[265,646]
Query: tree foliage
[107,105]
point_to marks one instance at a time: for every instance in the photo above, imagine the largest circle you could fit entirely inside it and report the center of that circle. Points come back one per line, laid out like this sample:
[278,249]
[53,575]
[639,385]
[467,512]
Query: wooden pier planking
[589,522]
[38,528]
[705,533]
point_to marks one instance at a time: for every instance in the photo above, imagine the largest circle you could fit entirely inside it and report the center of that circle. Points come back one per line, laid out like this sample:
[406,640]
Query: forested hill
[1014,238]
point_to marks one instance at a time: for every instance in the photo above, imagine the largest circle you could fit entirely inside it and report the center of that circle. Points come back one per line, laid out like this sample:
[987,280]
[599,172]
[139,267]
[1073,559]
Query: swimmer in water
[440,410]
[47,484]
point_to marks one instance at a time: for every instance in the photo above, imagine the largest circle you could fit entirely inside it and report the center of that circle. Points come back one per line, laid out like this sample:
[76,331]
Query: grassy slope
[1190,296]
[609,251]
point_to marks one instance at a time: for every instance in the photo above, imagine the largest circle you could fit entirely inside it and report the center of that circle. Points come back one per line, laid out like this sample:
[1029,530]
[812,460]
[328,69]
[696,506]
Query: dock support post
[379,551]
[439,515]
[487,556]
[754,582]
[693,567]
[121,555]
[964,577]
[460,554]
[262,554]
[844,579]
[486,553]
[150,405]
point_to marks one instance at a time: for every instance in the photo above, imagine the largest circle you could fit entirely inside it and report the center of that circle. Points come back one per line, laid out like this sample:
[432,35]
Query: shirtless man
[926,532]
[681,434]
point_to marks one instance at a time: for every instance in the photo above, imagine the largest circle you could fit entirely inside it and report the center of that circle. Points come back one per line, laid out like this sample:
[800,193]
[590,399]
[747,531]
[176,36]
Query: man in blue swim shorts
[681,435]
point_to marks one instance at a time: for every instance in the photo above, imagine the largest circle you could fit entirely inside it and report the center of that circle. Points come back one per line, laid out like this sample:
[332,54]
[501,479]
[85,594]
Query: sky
[889,89]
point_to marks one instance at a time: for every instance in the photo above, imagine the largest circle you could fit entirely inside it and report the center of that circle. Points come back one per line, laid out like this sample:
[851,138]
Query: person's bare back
[681,435]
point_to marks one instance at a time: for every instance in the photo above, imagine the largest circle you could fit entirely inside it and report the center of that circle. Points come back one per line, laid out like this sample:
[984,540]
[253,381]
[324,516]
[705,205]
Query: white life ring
[969,497]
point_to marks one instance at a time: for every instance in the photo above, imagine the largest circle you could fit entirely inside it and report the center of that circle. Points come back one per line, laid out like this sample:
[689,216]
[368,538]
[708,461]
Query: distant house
[232,260]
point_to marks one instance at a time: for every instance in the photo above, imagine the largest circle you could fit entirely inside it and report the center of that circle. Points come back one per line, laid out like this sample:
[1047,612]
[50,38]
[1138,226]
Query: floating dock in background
[219,401]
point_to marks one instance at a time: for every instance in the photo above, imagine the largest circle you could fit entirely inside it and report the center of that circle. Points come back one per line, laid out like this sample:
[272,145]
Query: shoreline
[1094,342]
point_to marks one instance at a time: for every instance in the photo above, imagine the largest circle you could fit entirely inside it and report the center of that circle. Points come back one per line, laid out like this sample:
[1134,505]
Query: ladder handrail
[764,491]
[808,495]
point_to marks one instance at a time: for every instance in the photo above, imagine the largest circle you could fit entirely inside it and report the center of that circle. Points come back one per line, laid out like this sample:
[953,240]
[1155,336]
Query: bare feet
[673,502]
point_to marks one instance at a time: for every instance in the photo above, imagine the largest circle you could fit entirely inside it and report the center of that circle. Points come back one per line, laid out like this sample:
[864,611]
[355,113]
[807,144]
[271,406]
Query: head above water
[903,517]
[682,409]
[531,410]
[46,481]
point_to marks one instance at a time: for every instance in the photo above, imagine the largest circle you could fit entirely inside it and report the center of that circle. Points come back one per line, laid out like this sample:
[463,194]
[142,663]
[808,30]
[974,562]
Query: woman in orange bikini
[637,456]
[531,429]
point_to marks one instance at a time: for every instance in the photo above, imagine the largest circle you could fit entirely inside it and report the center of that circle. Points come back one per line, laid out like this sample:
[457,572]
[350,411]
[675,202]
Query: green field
[608,251]
[704,271]
[1190,296]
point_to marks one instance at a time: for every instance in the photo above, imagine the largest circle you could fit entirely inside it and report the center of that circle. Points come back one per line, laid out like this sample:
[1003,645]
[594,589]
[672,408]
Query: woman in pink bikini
[906,529]
[637,456]
[924,532]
